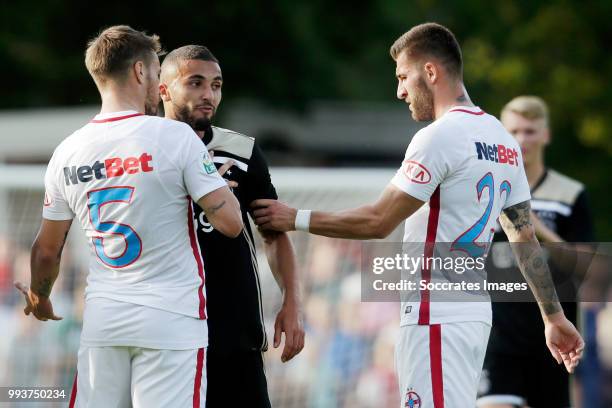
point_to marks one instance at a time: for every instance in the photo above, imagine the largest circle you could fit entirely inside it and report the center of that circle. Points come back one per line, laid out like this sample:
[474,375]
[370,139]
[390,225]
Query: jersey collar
[114,116]
[471,110]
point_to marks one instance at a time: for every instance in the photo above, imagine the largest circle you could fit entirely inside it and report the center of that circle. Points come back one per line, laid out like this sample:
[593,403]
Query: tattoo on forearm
[43,288]
[535,270]
[214,208]
[530,257]
[516,217]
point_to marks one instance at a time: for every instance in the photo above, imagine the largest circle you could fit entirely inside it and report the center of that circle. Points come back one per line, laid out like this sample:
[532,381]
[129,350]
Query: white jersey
[467,168]
[130,181]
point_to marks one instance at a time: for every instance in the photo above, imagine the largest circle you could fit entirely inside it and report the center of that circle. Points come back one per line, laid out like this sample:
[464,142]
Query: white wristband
[302,220]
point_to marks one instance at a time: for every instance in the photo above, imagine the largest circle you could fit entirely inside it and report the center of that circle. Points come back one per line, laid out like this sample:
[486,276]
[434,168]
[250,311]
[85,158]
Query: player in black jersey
[518,371]
[190,87]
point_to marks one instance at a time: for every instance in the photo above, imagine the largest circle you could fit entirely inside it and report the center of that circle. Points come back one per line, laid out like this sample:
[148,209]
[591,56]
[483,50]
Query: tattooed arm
[46,255]
[516,222]
[562,338]
[223,211]
[44,262]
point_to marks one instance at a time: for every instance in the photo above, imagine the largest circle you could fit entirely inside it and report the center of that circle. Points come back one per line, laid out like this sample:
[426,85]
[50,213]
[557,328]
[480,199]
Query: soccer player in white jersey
[130,180]
[459,175]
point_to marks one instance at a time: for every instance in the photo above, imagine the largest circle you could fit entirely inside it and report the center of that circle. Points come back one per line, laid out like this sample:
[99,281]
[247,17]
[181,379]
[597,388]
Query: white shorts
[124,377]
[439,365]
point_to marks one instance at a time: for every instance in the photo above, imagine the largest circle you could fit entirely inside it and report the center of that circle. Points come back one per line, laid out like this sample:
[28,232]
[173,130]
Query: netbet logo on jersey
[113,167]
[496,153]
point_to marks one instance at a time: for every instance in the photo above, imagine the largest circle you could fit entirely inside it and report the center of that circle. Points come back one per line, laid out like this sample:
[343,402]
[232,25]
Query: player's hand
[274,215]
[39,306]
[563,340]
[289,321]
[223,169]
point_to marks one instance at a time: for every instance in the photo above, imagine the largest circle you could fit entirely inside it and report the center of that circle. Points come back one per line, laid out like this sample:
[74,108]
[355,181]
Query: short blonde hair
[115,49]
[528,106]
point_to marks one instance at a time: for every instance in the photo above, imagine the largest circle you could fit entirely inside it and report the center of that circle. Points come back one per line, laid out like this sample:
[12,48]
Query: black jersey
[561,204]
[233,290]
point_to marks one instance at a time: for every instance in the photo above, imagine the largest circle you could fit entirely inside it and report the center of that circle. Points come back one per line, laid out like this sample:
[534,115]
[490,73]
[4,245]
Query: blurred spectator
[347,362]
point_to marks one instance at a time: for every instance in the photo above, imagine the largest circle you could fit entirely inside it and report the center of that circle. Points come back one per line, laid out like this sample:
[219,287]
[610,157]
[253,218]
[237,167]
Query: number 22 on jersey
[466,242]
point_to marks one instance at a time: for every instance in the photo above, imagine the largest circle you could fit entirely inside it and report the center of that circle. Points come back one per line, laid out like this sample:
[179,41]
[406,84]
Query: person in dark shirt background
[518,371]
[191,84]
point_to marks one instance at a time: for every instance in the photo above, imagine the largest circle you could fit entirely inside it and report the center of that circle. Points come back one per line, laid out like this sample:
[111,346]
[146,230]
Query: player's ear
[139,71]
[431,72]
[163,92]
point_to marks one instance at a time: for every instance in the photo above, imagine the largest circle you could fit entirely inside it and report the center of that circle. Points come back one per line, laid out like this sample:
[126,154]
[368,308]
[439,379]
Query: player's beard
[184,114]
[422,103]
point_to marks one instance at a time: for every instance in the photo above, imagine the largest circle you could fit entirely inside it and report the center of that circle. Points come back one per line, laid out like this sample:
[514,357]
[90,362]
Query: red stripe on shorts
[74,391]
[197,383]
[435,362]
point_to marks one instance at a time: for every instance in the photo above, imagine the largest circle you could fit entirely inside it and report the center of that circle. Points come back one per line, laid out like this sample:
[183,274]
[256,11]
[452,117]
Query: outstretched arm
[562,338]
[377,220]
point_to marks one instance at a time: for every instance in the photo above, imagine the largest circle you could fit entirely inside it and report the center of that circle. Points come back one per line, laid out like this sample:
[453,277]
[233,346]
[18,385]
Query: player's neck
[455,96]
[534,172]
[114,101]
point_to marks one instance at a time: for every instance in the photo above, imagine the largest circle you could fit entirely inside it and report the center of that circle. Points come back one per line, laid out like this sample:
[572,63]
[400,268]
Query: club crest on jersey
[113,167]
[497,153]
[416,172]
[207,163]
[412,399]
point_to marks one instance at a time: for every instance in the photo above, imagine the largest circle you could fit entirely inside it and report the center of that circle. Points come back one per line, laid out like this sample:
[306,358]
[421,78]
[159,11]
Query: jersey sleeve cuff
[209,189]
[413,191]
[517,201]
[52,216]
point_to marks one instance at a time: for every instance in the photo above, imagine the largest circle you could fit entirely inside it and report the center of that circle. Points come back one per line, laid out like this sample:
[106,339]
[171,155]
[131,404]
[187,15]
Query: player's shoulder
[230,133]
[70,144]
[231,142]
[564,180]
[168,124]
[170,134]
[559,187]
[441,131]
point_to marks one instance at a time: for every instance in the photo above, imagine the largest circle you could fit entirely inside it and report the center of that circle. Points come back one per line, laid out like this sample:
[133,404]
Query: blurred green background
[286,54]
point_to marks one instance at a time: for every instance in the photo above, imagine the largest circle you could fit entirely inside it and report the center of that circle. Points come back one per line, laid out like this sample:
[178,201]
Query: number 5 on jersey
[133,245]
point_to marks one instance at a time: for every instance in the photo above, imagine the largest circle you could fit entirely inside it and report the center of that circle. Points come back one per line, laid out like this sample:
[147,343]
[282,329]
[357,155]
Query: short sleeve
[55,205]
[199,171]
[431,156]
[519,187]
[259,184]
